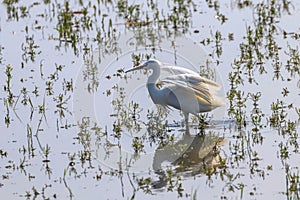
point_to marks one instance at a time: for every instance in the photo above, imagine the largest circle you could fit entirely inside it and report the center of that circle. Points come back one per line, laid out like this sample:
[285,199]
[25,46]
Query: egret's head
[150,64]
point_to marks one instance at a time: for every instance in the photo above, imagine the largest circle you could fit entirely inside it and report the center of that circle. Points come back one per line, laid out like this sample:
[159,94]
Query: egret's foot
[187,131]
[187,128]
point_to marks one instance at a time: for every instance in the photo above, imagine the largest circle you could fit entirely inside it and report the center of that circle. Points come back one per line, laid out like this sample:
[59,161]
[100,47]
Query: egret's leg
[186,119]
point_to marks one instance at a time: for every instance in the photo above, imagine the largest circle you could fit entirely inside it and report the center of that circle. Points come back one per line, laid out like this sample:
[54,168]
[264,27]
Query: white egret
[184,89]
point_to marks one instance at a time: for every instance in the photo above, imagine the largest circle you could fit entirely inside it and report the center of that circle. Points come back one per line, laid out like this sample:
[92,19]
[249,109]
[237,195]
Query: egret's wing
[201,93]
[186,75]
[203,88]
[175,70]
[195,81]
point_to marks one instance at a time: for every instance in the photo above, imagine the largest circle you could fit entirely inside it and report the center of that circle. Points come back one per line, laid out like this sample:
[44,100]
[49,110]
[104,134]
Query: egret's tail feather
[218,101]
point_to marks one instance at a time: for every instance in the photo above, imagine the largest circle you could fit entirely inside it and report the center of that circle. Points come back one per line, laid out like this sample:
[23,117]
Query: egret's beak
[136,68]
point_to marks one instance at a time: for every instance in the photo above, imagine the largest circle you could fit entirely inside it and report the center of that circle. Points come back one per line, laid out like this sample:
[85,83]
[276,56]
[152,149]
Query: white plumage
[183,89]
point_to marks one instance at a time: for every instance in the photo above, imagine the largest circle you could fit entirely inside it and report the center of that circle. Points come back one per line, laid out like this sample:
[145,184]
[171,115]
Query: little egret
[184,89]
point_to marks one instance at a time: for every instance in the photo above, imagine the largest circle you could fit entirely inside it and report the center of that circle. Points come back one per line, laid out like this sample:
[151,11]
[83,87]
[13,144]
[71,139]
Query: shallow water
[75,126]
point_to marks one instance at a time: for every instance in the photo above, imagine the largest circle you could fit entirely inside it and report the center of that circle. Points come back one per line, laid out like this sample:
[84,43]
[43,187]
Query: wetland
[74,125]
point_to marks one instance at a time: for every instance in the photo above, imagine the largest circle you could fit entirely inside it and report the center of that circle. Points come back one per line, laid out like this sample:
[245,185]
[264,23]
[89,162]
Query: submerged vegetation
[60,55]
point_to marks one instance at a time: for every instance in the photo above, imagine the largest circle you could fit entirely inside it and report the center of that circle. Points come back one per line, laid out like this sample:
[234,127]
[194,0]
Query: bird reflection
[190,156]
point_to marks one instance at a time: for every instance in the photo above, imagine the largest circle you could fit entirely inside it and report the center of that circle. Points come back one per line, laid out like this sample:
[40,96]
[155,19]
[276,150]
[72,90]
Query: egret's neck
[154,76]
[154,91]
